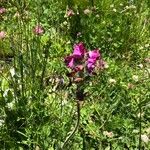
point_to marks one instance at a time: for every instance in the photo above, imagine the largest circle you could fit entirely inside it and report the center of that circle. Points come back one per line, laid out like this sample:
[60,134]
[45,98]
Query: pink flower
[90,66]
[2,34]
[94,54]
[74,59]
[38,30]
[91,63]
[79,50]
[102,64]
[69,61]
[92,60]
[80,59]
[2,10]
[70,13]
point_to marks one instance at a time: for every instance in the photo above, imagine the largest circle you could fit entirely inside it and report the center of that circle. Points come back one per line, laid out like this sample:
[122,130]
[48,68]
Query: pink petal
[94,54]
[69,61]
[38,30]
[79,50]
[2,34]
[2,10]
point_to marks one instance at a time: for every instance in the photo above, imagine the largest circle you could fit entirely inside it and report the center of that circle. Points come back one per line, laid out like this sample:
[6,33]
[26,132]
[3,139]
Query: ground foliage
[37,105]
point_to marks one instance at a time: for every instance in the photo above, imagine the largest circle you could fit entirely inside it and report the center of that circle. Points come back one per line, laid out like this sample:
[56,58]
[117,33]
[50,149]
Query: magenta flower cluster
[81,58]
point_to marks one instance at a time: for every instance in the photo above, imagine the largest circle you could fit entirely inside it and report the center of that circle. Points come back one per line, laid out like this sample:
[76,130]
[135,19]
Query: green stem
[75,128]
[140,125]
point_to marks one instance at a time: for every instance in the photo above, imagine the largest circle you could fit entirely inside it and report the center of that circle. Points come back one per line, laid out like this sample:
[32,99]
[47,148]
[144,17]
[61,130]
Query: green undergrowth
[37,103]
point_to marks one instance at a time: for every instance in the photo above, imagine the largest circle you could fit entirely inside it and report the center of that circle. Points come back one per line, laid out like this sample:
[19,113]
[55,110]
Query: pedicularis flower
[69,61]
[93,56]
[83,60]
[79,50]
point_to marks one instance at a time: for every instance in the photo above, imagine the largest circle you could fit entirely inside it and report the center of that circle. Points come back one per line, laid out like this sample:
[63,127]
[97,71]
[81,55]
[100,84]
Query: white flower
[106,65]
[140,65]
[12,72]
[112,5]
[112,81]
[127,7]
[135,131]
[87,11]
[108,134]
[10,105]
[141,47]
[1,122]
[97,15]
[144,138]
[115,10]
[65,23]
[146,45]
[135,78]
[133,7]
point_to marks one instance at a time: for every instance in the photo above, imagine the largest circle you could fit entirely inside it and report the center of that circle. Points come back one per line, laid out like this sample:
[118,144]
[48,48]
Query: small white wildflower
[133,6]
[106,66]
[135,78]
[112,5]
[5,92]
[135,131]
[87,11]
[17,15]
[68,42]
[144,138]
[97,16]
[146,45]
[12,72]
[120,138]
[140,65]
[123,56]
[142,114]
[1,122]
[141,47]
[108,134]
[10,105]
[65,23]
[115,10]
[127,7]
[112,81]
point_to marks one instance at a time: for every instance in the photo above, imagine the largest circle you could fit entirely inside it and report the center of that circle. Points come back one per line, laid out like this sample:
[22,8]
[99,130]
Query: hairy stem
[75,128]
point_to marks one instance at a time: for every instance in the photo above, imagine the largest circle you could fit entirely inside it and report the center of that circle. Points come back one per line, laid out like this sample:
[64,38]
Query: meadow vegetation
[52,96]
